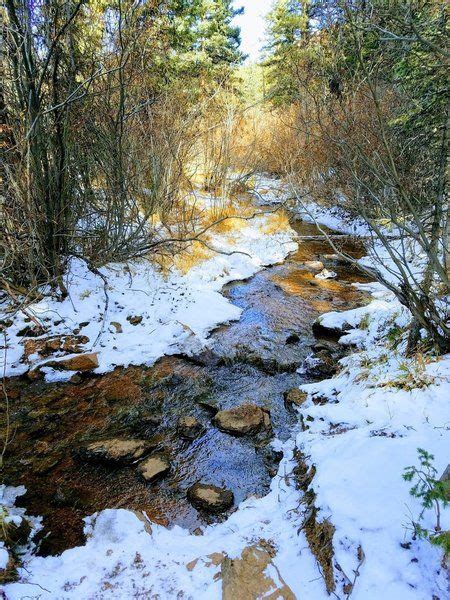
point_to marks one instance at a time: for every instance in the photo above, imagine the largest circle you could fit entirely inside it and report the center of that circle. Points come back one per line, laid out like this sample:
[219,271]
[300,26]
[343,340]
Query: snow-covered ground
[381,407]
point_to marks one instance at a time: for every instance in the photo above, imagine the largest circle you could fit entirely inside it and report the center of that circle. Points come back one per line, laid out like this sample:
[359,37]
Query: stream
[252,360]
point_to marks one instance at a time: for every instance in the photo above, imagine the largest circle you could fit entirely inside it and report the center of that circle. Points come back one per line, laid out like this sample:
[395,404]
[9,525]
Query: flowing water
[254,359]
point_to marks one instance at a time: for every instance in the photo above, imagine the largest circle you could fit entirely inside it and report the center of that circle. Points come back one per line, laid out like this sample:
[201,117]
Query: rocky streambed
[189,438]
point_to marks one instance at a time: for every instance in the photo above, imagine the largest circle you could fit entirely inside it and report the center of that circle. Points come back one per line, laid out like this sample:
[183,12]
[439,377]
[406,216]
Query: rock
[61,343]
[294,397]
[154,467]
[189,428]
[293,338]
[324,346]
[331,256]
[326,274]
[249,577]
[115,450]
[332,333]
[34,374]
[271,459]
[117,326]
[314,265]
[209,404]
[81,362]
[135,320]
[242,420]
[31,331]
[210,498]
[341,260]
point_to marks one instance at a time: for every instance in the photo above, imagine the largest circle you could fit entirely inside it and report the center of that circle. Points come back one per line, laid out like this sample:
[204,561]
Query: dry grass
[277,221]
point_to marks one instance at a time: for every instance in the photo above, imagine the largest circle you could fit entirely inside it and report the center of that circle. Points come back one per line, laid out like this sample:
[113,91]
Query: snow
[381,408]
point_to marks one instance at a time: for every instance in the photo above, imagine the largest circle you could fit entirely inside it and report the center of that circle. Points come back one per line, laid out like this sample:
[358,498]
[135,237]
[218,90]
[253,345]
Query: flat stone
[249,577]
[294,397]
[246,419]
[81,362]
[114,450]
[210,498]
[154,467]
[314,265]
[189,428]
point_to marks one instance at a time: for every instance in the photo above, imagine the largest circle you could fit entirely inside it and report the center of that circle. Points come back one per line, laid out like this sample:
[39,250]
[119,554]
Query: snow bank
[382,408]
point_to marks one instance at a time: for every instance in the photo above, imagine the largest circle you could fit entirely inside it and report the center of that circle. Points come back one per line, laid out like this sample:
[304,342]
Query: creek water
[255,359]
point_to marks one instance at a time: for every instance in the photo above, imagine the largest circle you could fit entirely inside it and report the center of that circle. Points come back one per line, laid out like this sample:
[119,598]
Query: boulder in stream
[246,419]
[154,467]
[210,498]
[189,428]
[114,450]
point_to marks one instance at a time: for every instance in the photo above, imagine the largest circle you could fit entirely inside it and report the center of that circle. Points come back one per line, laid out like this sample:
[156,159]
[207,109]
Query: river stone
[189,428]
[294,397]
[314,265]
[211,498]
[114,450]
[242,420]
[153,467]
[249,577]
[81,362]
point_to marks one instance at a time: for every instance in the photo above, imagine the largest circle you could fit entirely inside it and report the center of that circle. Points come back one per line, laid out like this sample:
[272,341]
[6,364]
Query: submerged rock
[154,467]
[189,428]
[114,450]
[211,498]
[293,338]
[246,419]
[249,577]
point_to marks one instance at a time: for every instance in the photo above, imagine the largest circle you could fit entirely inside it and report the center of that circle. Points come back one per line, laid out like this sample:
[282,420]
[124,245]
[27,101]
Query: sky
[252,25]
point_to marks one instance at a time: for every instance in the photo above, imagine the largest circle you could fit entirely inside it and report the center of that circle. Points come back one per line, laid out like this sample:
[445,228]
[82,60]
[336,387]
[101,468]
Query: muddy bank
[253,360]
